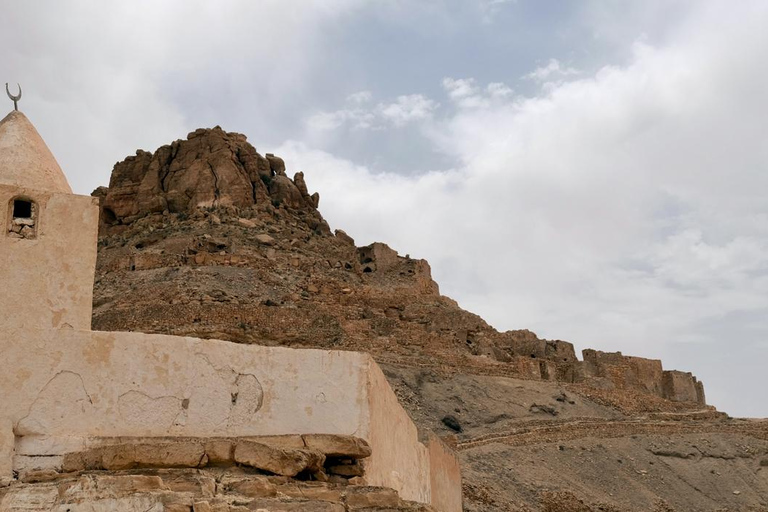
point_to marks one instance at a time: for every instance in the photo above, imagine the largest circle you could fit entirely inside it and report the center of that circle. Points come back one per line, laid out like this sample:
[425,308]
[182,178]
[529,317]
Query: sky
[594,171]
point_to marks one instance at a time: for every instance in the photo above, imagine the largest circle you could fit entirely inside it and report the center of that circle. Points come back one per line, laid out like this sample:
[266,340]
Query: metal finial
[14,98]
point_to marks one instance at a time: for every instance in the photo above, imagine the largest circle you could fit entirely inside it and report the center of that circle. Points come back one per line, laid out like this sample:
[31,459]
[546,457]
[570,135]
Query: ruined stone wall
[682,387]
[378,259]
[48,279]
[640,374]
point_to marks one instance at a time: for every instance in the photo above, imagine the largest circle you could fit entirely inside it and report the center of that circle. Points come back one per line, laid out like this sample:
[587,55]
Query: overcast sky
[595,171]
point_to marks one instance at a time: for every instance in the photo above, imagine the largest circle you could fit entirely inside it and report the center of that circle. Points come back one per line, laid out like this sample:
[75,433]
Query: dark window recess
[22,209]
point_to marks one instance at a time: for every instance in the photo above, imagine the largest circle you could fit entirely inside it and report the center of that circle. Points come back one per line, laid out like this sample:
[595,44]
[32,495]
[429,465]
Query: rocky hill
[205,237]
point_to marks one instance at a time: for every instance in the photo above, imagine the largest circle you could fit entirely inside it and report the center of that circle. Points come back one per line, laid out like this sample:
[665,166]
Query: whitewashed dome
[25,160]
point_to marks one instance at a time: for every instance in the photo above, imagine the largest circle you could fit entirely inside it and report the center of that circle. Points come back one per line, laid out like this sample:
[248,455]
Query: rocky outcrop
[194,490]
[242,254]
[211,168]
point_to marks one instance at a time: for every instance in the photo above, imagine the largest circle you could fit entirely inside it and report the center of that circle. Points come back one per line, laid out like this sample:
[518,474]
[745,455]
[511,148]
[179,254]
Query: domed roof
[25,160]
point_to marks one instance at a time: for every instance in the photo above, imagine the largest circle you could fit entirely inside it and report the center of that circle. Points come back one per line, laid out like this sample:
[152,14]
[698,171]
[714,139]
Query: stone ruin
[132,421]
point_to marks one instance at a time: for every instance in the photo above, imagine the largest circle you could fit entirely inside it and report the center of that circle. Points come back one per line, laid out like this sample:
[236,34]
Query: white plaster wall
[67,384]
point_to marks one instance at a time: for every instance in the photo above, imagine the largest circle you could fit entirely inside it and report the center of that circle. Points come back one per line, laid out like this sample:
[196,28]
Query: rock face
[211,168]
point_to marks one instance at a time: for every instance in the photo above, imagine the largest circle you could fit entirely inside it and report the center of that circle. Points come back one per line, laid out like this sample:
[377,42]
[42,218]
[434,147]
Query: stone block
[338,445]
[252,487]
[371,497]
[279,461]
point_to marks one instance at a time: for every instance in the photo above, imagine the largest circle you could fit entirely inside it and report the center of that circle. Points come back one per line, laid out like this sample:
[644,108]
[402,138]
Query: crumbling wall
[641,374]
[682,387]
[377,257]
[380,258]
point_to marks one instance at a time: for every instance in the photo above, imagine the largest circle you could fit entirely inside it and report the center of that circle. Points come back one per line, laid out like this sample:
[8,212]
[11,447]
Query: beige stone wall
[77,384]
[65,388]
[399,460]
[48,281]
[445,476]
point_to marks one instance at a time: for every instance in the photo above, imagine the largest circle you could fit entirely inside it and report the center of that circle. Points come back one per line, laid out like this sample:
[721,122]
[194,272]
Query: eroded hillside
[205,237]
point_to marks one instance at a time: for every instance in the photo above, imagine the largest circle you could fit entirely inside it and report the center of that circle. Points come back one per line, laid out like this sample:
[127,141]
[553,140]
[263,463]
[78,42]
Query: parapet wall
[65,388]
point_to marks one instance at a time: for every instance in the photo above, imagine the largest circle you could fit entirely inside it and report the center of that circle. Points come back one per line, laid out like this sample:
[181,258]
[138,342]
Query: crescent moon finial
[15,98]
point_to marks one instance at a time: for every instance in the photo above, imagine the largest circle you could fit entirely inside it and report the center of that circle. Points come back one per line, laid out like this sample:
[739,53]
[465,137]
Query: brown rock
[346,470]
[344,237]
[284,192]
[338,445]
[210,168]
[191,481]
[130,483]
[290,441]
[312,491]
[298,180]
[146,455]
[276,164]
[201,506]
[253,487]
[371,497]
[280,461]
[265,239]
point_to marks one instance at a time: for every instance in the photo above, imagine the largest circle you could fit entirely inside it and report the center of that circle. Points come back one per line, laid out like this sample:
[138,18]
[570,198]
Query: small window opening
[22,209]
[23,219]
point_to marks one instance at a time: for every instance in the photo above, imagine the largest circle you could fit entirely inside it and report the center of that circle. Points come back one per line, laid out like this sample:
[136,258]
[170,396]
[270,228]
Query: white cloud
[552,69]
[499,90]
[459,88]
[623,211]
[360,97]
[359,115]
[465,93]
[413,107]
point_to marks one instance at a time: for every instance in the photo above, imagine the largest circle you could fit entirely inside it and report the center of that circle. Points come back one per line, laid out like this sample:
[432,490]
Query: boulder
[276,164]
[284,192]
[280,461]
